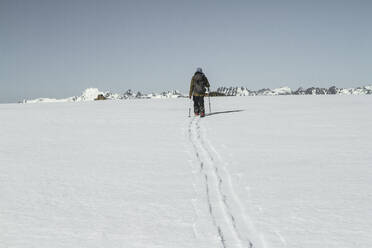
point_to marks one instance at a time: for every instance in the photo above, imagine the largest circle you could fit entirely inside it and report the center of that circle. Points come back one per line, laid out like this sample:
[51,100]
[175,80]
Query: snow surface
[288,171]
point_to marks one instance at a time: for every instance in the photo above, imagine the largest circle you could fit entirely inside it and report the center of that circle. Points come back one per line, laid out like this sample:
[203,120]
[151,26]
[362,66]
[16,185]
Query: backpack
[199,86]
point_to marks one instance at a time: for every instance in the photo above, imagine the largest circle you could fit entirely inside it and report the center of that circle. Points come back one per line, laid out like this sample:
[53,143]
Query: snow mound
[166,94]
[236,91]
[46,100]
[89,95]
[283,91]
[50,100]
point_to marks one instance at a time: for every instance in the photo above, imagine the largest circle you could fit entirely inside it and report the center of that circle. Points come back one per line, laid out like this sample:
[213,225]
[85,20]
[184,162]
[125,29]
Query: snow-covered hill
[260,172]
[243,91]
[91,94]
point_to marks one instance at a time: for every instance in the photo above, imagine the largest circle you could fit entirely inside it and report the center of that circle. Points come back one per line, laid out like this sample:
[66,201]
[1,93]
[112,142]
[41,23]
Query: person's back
[198,85]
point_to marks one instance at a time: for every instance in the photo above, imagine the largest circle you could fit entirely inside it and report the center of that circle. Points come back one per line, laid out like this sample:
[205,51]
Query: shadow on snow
[225,112]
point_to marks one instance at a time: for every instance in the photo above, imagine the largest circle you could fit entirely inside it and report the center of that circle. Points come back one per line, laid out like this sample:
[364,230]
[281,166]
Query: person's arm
[191,87]
[207,85]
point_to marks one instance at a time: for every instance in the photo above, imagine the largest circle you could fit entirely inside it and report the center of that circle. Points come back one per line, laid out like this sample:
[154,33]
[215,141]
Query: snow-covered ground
[287,171]
[300,166]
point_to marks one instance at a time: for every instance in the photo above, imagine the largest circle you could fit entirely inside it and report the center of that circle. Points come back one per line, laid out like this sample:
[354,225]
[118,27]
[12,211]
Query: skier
[198,85]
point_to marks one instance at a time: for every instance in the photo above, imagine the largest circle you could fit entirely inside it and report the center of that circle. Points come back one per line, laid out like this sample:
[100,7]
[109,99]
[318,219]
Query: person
[198,85]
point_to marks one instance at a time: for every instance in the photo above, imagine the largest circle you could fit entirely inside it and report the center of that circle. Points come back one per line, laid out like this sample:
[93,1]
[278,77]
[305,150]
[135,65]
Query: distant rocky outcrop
[100,97]
[215,93]
[242,91]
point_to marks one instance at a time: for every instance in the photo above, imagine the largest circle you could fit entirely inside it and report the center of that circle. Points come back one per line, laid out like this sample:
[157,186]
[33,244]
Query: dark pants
[198,104]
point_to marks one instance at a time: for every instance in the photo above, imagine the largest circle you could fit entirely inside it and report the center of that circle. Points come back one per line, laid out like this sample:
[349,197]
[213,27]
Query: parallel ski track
[214,182]
[191,131]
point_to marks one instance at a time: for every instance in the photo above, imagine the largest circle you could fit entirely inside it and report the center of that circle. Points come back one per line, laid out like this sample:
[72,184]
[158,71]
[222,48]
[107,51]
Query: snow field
[287,171]
[301,167]
[97,174]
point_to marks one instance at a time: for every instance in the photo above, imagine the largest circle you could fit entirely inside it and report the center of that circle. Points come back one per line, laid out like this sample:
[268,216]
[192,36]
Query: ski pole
[209,100]
[190,108]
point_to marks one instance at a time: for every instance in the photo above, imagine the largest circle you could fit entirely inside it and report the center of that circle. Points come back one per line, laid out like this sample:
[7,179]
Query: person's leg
[196,105]
[201,106]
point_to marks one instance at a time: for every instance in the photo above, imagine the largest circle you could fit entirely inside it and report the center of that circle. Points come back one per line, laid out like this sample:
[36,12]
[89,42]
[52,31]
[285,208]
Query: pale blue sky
[55,48]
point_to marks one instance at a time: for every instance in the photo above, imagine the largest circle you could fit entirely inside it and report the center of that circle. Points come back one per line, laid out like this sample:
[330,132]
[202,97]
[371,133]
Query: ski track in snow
[229,224]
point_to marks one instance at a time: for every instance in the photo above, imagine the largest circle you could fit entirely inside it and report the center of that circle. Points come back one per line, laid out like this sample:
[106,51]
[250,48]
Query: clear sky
[51,48]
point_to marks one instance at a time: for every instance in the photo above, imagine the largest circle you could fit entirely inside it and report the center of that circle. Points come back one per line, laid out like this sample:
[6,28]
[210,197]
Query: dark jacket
[198,85]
